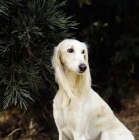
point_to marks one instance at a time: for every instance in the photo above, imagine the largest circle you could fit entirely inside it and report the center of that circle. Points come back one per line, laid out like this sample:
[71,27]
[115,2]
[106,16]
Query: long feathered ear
[59,72]
[86,52]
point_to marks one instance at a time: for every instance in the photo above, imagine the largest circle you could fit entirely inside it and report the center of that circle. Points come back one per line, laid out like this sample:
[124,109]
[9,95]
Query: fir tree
[29,30]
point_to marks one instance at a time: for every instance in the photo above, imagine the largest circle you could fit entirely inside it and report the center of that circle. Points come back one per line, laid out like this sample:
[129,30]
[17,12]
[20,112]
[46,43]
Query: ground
[11,126]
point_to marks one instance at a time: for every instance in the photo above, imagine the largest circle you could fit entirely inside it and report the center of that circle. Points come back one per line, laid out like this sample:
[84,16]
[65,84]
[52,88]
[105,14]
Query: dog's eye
[83,51]
[70,50]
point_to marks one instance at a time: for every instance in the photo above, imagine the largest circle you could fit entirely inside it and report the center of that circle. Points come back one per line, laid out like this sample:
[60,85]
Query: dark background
[110,28]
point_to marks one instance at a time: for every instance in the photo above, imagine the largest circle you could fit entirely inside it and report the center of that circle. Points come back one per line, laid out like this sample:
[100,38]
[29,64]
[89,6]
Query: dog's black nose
[82,67]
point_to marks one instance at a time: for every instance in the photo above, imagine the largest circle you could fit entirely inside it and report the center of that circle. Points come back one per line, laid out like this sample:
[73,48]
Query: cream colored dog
[79,112]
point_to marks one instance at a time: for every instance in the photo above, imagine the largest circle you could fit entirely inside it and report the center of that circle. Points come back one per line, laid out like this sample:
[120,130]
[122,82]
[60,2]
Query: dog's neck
[74,80]
[71,77]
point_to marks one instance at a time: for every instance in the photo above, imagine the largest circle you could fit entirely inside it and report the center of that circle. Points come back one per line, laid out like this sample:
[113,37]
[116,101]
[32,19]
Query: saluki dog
[79,112]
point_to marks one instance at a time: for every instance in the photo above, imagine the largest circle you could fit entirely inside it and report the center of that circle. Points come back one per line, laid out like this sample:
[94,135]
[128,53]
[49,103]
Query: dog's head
[73,55]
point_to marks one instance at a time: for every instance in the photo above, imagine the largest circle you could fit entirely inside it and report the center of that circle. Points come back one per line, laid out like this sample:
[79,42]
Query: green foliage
[132,50]
[28,32]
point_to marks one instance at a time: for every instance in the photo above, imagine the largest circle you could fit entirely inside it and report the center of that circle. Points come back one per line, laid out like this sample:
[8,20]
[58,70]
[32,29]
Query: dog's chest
[68,124]
[68,118]
[75,115]
[65,116]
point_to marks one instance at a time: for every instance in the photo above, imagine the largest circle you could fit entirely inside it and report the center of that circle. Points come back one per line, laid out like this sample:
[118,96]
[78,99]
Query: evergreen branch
[27,39]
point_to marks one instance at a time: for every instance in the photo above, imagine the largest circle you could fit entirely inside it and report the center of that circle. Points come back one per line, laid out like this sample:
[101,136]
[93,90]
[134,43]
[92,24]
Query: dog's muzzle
[82,68]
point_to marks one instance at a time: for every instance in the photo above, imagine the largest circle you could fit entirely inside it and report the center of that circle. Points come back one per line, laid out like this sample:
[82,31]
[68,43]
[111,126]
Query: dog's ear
[56,58]
[56,62]
[86,52]
[59,72]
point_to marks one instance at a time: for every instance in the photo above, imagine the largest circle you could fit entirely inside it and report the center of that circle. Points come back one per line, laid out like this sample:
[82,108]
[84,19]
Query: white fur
[79,112]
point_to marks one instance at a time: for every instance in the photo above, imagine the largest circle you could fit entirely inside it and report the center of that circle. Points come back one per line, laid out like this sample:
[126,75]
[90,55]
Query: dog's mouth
[80,72]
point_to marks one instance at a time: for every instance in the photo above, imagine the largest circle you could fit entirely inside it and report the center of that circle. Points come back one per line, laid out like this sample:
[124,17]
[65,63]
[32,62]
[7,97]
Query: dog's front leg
[78,136]
[104,135]
[62,136]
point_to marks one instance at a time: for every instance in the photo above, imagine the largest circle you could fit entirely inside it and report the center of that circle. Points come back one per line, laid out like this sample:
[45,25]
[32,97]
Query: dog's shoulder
[99,105]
